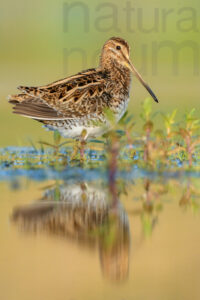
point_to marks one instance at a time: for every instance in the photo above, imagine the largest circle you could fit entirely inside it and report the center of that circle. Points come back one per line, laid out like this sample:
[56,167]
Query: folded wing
[71,97]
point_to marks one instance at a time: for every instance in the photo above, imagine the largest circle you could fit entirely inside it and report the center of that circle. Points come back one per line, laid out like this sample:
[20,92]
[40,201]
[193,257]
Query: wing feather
[35,109]
[71,97]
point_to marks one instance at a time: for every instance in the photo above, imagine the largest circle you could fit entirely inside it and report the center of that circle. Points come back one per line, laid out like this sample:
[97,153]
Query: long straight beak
[133,69]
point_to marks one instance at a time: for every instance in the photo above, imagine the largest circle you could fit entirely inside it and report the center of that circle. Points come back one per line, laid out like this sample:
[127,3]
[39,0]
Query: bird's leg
[82,144]
[75,151]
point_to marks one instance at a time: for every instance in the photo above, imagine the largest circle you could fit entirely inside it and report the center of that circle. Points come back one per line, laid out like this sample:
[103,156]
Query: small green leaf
[56,137]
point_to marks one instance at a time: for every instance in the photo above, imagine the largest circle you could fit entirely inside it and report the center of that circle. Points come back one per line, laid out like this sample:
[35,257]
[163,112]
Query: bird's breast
[121,108]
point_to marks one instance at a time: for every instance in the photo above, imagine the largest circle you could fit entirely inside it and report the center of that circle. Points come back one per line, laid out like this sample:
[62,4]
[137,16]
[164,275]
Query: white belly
[75,132]
[75,128]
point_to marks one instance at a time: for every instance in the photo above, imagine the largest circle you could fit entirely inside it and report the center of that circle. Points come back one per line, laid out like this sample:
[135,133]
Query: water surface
[71,239]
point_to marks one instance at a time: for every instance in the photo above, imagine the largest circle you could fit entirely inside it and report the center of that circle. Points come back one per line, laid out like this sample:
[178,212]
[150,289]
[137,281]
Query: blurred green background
[45,41]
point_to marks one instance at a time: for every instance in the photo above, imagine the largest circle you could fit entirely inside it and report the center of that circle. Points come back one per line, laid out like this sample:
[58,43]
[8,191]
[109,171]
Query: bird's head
[117,50]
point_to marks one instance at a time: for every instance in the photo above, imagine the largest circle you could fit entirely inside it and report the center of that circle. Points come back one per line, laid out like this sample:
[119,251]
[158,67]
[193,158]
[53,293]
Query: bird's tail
[19,98]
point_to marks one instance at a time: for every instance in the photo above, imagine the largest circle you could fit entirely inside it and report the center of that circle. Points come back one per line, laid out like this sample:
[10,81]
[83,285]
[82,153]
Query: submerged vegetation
[173,146]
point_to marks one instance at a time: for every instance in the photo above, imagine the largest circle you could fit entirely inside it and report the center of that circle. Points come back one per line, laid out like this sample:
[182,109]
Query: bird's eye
[118,48]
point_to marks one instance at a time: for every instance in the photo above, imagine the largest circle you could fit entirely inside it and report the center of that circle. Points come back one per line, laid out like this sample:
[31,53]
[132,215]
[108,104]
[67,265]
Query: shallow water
[72,239]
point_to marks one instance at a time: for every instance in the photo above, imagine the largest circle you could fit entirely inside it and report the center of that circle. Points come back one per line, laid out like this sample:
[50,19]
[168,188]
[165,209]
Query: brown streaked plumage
[74,103]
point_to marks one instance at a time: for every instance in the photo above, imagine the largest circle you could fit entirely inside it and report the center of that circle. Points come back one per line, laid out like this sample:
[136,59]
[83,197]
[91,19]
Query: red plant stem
[112,170]
[189,149]
[146,148]
[82,149]
[147,186]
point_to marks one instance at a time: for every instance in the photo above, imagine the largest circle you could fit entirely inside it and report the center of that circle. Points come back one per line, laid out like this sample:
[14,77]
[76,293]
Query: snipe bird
[78,102]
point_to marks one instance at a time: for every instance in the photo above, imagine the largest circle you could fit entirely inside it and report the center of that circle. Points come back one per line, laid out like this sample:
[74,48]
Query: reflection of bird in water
[83,213]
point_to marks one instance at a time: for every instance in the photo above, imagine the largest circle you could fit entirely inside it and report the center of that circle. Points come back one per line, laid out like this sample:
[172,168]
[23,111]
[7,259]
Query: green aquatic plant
[190,135]
[190,196]
[171,146]
[148,128]
[56,146]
